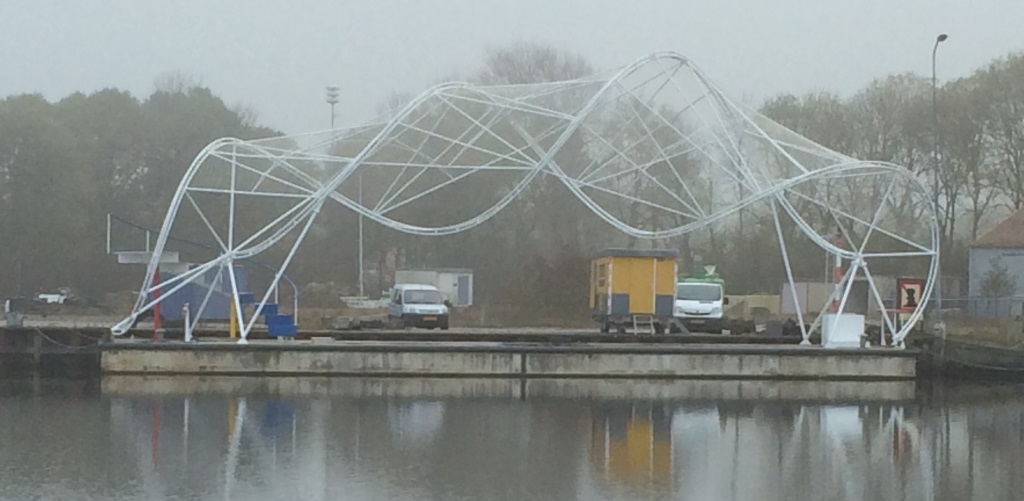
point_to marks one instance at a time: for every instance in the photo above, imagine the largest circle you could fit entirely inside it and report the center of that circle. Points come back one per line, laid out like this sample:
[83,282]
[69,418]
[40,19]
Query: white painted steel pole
[361,295]
[188,323]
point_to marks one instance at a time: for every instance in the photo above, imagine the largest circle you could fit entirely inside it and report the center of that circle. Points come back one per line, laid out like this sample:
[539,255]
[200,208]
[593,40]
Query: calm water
[250,439]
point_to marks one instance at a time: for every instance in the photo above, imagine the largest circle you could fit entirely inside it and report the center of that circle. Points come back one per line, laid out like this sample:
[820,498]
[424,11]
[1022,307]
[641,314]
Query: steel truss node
[655,134]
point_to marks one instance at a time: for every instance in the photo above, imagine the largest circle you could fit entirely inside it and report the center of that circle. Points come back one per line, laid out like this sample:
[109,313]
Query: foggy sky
[277,57]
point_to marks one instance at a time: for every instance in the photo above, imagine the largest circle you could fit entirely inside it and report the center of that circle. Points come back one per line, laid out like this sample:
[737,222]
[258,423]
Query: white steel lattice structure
[654,135]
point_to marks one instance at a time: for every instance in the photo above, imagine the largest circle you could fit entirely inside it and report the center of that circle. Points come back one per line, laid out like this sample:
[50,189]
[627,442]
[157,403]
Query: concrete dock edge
[509,360]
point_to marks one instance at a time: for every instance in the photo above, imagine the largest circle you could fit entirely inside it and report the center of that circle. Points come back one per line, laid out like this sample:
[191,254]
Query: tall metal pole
[361,295]
[935,156]
[156,307]
[837,271]
[332,99]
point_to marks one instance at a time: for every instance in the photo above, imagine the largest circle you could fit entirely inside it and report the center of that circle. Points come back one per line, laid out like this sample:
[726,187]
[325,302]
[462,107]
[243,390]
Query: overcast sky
[277,57]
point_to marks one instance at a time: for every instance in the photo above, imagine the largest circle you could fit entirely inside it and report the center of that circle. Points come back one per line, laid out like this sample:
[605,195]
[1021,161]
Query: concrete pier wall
[508,360]
[281,362]
[768,364]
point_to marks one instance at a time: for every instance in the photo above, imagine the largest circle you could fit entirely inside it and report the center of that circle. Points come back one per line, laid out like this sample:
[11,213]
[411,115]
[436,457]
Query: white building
[997,260]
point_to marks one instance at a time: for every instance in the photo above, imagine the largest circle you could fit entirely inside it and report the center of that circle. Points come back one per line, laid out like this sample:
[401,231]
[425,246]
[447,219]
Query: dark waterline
[237,438]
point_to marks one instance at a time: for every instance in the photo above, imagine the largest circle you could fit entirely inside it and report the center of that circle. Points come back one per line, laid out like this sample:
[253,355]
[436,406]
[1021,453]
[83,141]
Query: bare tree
[526,63]
[966,149]
[1002,85]
[176,82]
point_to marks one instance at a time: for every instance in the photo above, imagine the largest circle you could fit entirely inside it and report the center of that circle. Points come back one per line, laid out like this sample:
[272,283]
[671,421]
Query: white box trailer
[812,296]
[455,284]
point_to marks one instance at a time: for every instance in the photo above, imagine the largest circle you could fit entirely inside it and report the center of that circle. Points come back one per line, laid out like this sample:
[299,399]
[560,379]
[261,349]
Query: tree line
[64,165]
[965,140]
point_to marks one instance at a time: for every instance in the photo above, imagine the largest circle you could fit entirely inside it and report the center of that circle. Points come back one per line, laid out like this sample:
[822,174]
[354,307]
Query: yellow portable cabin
[630,288]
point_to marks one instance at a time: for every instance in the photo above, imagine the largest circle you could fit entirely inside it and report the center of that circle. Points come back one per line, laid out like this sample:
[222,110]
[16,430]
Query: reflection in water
[368,443]
[631,445]
[416,424]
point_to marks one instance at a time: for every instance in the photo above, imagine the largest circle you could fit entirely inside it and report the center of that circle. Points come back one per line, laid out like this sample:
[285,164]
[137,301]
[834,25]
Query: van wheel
[659,329]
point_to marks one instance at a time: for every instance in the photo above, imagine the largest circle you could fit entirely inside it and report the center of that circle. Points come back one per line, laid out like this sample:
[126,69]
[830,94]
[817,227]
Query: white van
[699,305]
[417,305]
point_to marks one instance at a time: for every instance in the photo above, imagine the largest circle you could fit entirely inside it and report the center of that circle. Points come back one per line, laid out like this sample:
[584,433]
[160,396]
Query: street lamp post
[935,170]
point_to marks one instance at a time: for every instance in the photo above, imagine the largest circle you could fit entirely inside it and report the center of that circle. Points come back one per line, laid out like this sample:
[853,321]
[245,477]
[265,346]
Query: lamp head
[332,94]
[941,38]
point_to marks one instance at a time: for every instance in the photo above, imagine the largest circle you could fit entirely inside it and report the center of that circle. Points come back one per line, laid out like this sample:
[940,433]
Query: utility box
[14,311]
[455,284]
[631,284]
[842,331]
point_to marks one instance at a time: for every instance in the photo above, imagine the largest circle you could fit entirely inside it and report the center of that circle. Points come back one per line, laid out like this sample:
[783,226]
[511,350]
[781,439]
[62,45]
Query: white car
[417,305]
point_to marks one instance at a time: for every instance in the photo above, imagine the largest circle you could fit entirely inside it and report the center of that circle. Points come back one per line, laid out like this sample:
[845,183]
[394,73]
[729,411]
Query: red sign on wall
[908,293]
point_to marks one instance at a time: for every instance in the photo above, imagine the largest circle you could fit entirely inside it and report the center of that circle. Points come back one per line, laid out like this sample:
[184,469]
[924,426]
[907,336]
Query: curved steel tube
[731,122]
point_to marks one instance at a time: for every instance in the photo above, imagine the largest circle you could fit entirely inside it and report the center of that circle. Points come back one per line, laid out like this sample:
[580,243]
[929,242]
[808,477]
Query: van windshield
[699,292]
[422,297]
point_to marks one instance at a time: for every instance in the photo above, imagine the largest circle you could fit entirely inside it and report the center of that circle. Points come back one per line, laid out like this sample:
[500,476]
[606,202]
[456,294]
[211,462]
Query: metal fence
[981,308]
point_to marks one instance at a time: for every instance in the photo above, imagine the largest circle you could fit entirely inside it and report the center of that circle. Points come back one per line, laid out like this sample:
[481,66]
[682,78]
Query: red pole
[156,307]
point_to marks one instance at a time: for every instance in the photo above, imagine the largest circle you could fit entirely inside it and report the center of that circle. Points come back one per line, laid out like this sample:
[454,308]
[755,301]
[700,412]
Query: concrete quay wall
[508,360]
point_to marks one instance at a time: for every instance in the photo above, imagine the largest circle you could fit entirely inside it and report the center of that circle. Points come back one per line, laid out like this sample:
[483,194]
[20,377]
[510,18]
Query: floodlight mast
[332,99]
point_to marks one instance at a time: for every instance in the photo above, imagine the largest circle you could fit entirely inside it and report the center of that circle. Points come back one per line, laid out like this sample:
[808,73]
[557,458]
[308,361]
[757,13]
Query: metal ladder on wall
[640,320]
